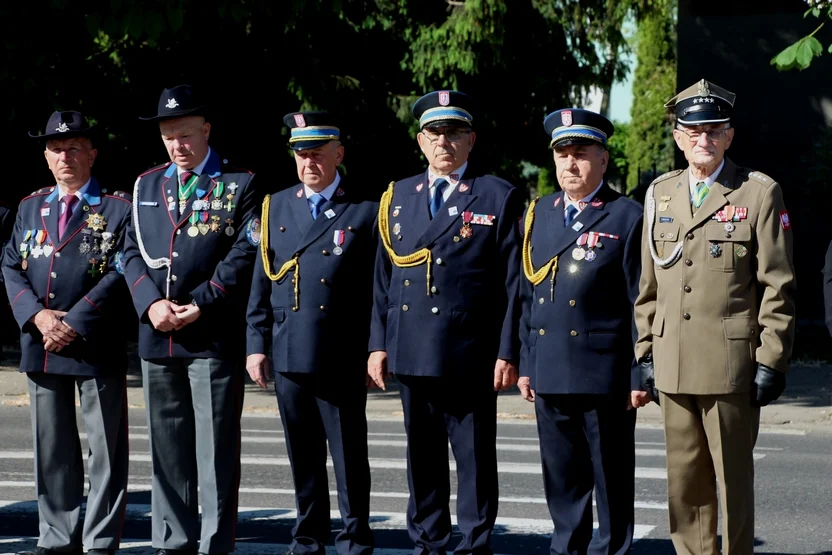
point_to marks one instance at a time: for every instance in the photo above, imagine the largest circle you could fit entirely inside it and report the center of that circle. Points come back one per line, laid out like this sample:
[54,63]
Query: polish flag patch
[784,220]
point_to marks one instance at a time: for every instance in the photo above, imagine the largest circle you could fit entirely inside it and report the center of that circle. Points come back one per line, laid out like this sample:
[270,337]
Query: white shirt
[197,170]
[326,193]
[587,199]
[708,180]
[453,180]
[79,193]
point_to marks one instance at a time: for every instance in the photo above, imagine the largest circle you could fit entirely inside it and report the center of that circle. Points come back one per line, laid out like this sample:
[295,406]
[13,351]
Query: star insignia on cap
[172,103]
[62,128]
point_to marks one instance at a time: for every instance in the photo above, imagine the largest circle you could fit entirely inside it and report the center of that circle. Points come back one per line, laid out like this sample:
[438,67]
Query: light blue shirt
[326,193]
[79,193]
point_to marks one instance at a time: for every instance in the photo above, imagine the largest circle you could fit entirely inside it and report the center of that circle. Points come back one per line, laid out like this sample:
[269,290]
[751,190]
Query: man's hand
[187,313]
[505,375]
[648,377]
[163,316]
[524,384]
[52,328]
[638,399]
[258,368]
[377,370]
[768,385]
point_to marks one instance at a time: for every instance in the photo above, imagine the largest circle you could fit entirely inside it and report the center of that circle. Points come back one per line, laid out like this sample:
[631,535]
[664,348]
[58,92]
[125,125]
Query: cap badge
[444,98]
[299,121]
[62,128]
[172,103]
[566,117]
[704,89]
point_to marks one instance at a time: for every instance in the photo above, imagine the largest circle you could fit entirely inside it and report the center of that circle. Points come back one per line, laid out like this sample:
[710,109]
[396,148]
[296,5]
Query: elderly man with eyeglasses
[715,317]
[445,321]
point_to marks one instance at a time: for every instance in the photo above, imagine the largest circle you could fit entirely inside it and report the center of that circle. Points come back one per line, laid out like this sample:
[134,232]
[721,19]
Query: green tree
[800,54]
[649,139]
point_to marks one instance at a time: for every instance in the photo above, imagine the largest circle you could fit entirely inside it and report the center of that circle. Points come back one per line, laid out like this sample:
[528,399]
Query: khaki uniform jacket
[726,304]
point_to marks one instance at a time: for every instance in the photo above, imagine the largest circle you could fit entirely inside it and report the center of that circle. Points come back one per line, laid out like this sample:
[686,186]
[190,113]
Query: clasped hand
[167,316]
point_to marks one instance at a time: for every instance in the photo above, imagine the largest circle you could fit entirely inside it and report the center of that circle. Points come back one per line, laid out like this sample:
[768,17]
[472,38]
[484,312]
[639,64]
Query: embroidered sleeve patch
[784,220]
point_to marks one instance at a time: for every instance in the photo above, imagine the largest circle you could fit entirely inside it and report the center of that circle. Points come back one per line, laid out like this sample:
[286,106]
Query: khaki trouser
[710,439]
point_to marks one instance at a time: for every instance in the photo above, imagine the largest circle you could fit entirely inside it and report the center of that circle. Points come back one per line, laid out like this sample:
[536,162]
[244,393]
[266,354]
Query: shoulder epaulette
[121,195]
[39,192]
[234,169]
[667,175]
[761,177]
[157,168]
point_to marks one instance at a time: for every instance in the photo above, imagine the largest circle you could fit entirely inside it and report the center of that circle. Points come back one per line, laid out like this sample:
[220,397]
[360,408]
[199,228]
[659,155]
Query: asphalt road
[793,476]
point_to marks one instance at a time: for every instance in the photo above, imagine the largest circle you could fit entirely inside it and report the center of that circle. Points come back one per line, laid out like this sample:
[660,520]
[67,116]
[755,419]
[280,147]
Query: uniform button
[282,228]
[57,254]
[661,235]
[325,252]
[434,310]
[173,278]
[323,307]
[175,254]
[405,307]
[690,236]
[727,235]
[670,236]
[456,239]
[573,333]
[51,295]
[179,232]
[541,331]
[323,280]
[541,300]
[689,262]
[433,289]
[349,228]
[53,274]
[438,261]
[400,237]
[572,302]
[686,316]
[687,289]
[407,283]
[294,309]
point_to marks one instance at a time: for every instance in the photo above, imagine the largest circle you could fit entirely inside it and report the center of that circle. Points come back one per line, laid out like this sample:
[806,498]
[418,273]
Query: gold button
[349,228]
[456,239]
[51,295]
[407,283]
[53,274]
[573,333]
[323,307]
[405,308]
[434,310]
[541,300]
[572,302]
[294,309]
[282,228]
[438,261]
[323,280]
[325,252]
[541,331]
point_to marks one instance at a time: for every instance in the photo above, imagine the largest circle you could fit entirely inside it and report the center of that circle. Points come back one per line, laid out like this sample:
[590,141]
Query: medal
[729,227]
[338,240]
[203,224]
[229,206]
[466,232]
[715,251]
[48,249]
[24,264]
[215,224]
[84,247]
[185,193]
[183,205]
[740,251]
[229,226]
[663,207]
[193,231]
[579,253]
[397,228]
[37,251]
[592,241]
[219,188]
[93,271]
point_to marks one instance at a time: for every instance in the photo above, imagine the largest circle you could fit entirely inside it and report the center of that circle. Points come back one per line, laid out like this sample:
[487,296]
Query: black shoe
[165,551]
[101,552]
[44,551]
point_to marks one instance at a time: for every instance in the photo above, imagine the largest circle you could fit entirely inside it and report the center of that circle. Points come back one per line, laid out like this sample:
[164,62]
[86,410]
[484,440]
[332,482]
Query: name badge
[453,211]
[330,213]
[45,211]
[148,203]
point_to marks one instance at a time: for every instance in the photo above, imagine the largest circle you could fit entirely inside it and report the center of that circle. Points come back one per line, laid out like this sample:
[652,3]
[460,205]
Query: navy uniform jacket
[6,228]
[213,268]
[582,341]
[470,318]
[328,333]
[78,276]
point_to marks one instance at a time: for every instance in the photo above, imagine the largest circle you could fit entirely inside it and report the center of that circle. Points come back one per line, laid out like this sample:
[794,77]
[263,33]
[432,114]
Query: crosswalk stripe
[649,505]
[649,473]
[378,520]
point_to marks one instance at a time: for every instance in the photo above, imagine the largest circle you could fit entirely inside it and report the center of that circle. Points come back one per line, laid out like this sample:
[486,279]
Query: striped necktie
[700,191]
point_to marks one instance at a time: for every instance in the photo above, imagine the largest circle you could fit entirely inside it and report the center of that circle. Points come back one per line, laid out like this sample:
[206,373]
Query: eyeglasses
[713,134]
[451,135]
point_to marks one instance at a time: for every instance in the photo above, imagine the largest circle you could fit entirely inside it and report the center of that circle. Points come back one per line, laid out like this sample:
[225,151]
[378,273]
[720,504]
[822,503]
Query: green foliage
[617,147]
[547,181]
[649,138]
[800,54]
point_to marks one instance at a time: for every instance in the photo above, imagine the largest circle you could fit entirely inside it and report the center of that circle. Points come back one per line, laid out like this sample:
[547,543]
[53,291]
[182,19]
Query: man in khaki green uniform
[715,316]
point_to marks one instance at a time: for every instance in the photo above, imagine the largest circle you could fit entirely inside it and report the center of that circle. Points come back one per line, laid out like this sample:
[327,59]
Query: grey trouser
[59,465]
[193,416]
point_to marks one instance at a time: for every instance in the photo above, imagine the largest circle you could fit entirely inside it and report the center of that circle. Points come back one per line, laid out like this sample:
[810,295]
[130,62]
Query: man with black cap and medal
[309,307]
[715,317]
[581,265]
[67,294]
[188,258]
[445,322]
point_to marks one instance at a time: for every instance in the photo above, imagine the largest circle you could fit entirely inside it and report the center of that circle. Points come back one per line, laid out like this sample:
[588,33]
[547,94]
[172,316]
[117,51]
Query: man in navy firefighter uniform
[188,264]
[67,296]
[310,304]
[445,322]
[581,265]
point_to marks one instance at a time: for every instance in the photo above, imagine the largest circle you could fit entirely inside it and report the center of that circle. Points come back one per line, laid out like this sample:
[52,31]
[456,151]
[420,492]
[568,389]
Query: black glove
[768,385]
[648,380]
